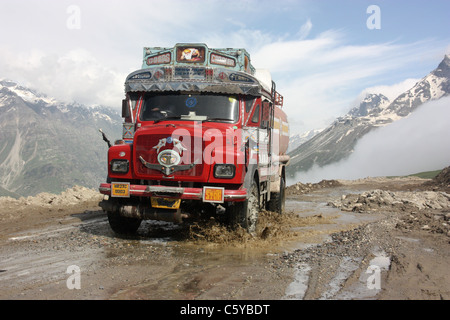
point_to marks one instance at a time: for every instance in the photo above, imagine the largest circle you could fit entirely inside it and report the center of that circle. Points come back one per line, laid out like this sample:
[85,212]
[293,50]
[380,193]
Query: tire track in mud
[40,256]
[214,260]
[311,252]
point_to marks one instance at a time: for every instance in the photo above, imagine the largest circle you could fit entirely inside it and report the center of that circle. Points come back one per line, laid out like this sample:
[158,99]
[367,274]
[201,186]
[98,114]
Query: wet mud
[313,251]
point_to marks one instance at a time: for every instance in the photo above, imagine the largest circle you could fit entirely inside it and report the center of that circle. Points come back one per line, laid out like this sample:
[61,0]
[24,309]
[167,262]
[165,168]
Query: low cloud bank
[419,142]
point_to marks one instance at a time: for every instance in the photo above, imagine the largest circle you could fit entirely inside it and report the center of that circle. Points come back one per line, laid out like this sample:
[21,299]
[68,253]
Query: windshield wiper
[168,118]
[217,119]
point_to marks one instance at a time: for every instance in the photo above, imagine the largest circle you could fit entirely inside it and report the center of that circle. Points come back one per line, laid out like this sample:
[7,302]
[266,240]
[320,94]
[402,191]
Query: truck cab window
[211,107]
[255,117]
[248,102]
[133,97]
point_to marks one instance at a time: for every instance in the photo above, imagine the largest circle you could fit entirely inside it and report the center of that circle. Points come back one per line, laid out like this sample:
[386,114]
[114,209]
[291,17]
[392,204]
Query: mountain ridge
[338,140]
[296,140]
[49,146]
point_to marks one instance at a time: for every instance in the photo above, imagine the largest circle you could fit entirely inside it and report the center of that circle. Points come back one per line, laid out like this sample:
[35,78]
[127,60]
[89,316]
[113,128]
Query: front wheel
[123,225]
[245,214]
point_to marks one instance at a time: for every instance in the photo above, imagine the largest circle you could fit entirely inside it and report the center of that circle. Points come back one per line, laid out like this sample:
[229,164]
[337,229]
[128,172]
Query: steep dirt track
[315,251]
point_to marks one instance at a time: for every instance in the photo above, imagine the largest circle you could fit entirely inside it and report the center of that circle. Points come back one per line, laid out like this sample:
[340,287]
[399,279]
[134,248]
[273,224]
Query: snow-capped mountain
[47,145]
[371,106]
[298,139]
[338,140]
[432,87]
[24,93]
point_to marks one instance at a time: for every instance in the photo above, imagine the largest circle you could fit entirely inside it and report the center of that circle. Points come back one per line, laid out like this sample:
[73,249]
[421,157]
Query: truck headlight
[224,171]
[119,166]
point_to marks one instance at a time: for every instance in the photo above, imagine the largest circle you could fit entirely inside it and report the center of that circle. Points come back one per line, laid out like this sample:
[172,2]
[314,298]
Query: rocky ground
[410,245]
[374,238]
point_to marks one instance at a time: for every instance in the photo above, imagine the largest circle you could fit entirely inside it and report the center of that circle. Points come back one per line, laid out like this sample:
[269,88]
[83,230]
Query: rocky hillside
[338,140]
[49,146]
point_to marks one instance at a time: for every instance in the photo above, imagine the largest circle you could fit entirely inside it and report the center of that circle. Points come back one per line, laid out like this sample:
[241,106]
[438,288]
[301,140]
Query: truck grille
[149,146]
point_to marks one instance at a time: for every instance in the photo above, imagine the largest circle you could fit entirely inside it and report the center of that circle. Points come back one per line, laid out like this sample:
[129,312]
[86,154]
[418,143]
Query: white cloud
[73,76]
[392,91]
[319,75]
[413,144]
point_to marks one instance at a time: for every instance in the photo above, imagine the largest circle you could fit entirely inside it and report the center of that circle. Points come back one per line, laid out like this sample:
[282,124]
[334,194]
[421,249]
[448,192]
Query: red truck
[204,135]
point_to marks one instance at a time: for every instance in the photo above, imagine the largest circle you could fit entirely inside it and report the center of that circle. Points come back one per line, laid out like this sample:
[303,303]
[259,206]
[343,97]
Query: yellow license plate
[213,194]
[166,203]
[120,189]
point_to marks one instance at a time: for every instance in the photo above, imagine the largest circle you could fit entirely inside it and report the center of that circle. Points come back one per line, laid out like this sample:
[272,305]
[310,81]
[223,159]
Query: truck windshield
[203,107]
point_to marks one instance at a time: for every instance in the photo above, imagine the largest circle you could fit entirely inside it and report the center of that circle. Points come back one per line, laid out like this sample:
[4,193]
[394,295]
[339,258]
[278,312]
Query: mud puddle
[312,204]
[333,219]
[213,262]
[314,251]
[216,263]
[202,260]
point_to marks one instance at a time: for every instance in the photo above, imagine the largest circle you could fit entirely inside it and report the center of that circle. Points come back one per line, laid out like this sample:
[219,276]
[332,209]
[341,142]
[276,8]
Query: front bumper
[174,192]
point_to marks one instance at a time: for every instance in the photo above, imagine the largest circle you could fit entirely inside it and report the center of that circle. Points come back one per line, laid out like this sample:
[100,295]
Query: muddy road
[334,242]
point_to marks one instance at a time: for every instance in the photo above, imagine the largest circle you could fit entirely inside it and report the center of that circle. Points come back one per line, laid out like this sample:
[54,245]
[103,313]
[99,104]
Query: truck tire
[278,199]
[123,225]
[245,214]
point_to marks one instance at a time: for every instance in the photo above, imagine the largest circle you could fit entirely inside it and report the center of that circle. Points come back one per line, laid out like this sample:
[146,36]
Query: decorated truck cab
[204,133]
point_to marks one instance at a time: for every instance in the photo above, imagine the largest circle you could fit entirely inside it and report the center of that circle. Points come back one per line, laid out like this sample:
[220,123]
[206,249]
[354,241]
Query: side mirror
[125,109]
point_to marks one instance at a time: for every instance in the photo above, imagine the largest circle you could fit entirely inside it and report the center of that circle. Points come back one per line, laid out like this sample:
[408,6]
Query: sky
[323,55]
